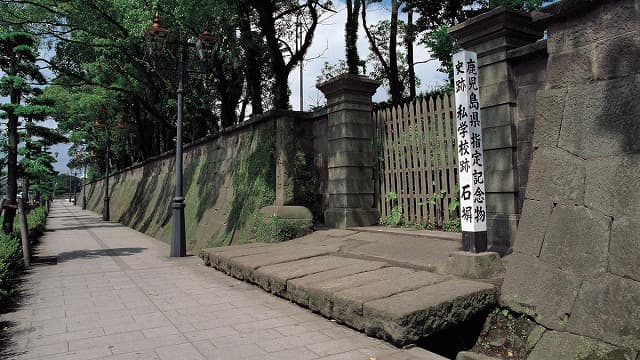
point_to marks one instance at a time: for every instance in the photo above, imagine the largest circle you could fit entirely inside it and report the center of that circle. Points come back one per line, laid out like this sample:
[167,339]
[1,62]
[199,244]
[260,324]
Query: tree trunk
[409,38]
[395,86]
[24,234]
[351,36]
[253,78]
[12,173]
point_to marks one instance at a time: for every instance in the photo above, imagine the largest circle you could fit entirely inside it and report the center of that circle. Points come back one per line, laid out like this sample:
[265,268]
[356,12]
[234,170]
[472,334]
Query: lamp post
[105,208]
[206,44]
[75,186]
[83,161]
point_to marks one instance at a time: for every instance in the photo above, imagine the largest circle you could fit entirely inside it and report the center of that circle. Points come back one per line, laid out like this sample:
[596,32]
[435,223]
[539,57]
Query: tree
[351,36]
[18,62]
[275,18]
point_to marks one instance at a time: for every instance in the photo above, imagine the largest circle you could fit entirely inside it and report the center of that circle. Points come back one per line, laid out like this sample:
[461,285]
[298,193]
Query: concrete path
[114,294]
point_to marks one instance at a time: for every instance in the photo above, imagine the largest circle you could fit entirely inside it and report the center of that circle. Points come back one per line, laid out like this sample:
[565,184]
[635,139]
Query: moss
[253,188]
[276,229]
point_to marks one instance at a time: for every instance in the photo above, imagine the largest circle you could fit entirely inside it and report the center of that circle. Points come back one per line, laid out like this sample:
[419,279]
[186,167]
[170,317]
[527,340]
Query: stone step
[398,304]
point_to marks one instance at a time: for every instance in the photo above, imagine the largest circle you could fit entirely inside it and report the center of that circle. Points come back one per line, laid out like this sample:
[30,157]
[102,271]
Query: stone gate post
[350,151]
[491,36]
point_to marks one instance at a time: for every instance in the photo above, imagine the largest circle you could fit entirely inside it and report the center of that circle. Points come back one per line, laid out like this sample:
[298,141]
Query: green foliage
[10,261]
[306,182]
[395,218]
[275,229]
[11,250]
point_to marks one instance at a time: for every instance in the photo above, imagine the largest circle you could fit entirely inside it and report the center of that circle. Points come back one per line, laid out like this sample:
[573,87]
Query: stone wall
[227,179]
[575,263]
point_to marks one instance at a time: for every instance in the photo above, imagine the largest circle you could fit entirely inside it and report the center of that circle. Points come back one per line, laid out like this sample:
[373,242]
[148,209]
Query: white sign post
[473,209]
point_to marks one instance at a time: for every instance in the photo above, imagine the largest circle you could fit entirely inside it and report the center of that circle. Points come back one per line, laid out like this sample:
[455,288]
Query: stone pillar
[350,151]
[285,157]
[491,36]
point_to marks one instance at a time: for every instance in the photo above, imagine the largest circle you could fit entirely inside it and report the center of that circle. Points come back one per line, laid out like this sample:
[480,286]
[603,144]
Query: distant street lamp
[105,207]
[206,45]
[83,161]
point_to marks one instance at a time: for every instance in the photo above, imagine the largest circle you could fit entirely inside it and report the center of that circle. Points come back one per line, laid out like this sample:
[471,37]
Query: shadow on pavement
[95,253]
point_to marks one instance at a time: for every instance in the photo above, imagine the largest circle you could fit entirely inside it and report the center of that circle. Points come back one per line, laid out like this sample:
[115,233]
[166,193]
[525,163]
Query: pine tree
[18,62]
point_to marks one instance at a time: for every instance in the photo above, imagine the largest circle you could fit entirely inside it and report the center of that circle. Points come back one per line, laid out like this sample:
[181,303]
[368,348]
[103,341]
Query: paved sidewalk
[114,294]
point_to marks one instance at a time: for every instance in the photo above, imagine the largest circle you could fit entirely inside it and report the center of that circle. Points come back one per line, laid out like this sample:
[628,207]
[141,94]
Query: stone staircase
[325,273]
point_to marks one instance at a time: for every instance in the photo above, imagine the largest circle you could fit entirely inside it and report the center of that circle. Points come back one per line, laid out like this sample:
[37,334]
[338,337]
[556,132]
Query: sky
[327,46]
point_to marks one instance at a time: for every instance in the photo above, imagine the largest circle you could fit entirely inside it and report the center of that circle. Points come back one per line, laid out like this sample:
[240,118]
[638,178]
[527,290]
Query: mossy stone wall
[227,179]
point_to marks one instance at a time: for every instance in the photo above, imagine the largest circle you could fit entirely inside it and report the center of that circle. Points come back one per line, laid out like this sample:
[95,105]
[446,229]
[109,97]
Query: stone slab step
[400,305]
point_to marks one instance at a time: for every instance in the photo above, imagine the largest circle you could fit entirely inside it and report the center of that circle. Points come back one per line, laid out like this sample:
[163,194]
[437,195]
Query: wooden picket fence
[417,160]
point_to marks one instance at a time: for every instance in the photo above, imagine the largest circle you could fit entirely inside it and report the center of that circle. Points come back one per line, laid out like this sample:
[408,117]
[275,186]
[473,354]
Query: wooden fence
[417,160]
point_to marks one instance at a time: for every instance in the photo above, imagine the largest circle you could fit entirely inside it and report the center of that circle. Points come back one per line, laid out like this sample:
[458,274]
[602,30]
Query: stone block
[320,294]
[498,137]
[498,94]
[602,118]
[583,28]
[274,278]
[624,249]
[349,131]
[501,232]
[348,303]
[532,227]
[287,212]
[607,308]
[349,158]
[501,203]
[539,290]
[494,73]
[500,181]
[349,145]
[577,240]
[499,159]
[617,57]
[569,69]
[299,289]
[350,186]
[556,175]
[498,115]
[351,201]
[474,266]
[612,185]
[548,116]
[347,217]
[406,317]
[561,345]
[468,355]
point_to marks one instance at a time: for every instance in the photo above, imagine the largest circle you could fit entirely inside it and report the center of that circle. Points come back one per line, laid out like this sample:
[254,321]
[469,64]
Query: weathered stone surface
[532,227]
[606,108]
[548,116]
[540,290]
[612,185]
[577,240]
[347,304]
[408,316]
[474,266]
[501,231]
[624,249]
[560,345]
[274,277]
[298,288]
[556,175]
[608,308]
[320,295]
[468,355]
[572,29]
[569,68]
[348,217]
[534,336]
[243,267]
[287,212]
[618,56]
[218,257]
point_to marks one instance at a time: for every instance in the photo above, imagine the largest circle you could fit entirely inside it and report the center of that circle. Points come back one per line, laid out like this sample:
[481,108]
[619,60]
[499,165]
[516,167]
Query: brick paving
[114,294]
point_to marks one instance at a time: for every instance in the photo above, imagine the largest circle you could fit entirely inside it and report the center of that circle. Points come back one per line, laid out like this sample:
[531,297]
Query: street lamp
[105,208]
[83,161]
[206,45]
